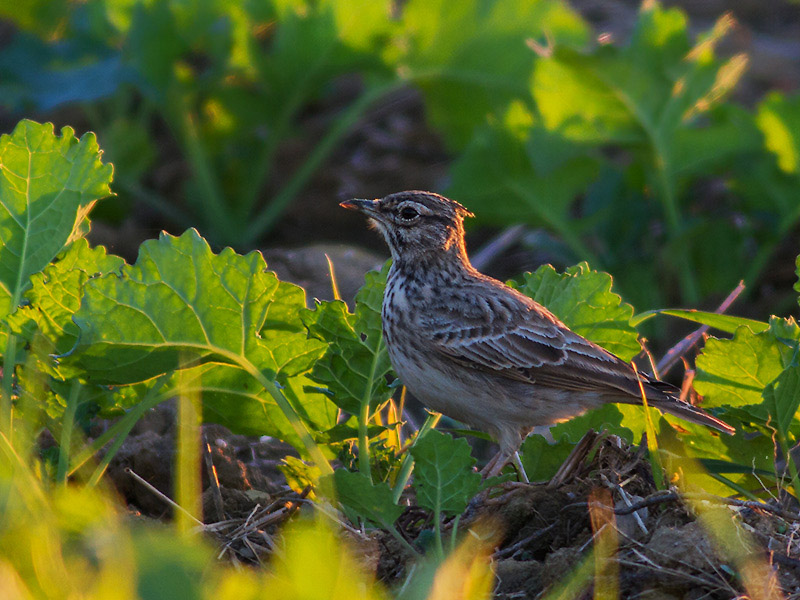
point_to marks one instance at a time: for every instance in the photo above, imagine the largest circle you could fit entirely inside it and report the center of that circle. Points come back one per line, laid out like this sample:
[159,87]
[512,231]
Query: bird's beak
[369,207]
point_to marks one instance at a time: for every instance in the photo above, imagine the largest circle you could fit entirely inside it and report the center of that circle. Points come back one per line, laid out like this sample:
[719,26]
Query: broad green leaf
[541,459]
[782,399]
[443,476]
[583,299]
[233,398]
[221,315]
[356,363]
[181,304]
[726,323]
[55,294]
[371,502]
[785,330]
[470,58]
[778,119]
[733,457]
[48,184]
[625,420]
[735,372]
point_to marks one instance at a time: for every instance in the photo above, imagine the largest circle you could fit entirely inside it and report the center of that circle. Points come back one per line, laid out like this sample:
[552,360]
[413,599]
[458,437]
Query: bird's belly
[486,401]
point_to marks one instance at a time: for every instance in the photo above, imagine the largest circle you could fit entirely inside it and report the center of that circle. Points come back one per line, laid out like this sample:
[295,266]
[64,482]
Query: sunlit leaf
[356,363]
[47,186]
[583,299]
[735,372]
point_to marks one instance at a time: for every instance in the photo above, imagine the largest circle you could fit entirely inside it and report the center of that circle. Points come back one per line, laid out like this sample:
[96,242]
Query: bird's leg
[520,469]
[500,460]
[489,469]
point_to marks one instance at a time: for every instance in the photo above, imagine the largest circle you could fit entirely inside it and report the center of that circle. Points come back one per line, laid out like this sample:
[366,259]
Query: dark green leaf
[371,502]
[782,399]
[443,475]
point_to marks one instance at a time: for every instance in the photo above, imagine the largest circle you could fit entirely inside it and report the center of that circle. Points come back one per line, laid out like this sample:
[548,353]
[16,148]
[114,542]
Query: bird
[472,348]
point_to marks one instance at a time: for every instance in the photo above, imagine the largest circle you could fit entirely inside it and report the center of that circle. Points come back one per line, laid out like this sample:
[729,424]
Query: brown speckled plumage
[476,350]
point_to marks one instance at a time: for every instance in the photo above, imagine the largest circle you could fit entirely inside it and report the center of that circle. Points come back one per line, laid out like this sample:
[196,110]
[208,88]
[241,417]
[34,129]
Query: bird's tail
[666,400]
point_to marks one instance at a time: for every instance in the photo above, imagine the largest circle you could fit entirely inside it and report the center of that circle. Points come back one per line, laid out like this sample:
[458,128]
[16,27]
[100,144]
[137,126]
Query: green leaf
[541,459]
[48,184]
[232,324]
[443,476]
[726,323]
[782,399]
[373,503]
[583,299]
[470,57]
[504,177]
[356,363]
[55,294]
[181,304]
[735,372]
[743,457]
[778,119]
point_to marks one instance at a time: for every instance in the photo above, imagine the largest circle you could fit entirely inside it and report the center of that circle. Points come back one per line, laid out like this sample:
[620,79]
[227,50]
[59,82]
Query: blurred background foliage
[630,152]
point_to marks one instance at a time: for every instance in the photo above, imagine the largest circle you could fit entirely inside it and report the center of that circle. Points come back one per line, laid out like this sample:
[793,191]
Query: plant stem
[437,528]
[408,462]
[9,366]
[286,408]
[266,219]
[68,424]
[557,224]
[215,211]
[120,431]
[454,533]
[363,441]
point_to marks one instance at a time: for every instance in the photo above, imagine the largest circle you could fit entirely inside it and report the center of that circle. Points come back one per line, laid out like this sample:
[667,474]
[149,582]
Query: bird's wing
[500,330]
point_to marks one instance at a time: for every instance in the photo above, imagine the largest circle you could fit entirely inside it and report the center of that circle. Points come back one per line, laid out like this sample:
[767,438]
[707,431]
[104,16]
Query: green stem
[408,462]
[363,440]
[686,275]
[67,426]
[288,411]
[734,486]
[266,219]
[215,211]
[437,529]
[396,535]
[557,224]
[9,366]
[454,533]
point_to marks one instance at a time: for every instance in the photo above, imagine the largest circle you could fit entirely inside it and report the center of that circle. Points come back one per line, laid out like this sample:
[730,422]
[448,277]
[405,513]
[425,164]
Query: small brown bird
[472,348]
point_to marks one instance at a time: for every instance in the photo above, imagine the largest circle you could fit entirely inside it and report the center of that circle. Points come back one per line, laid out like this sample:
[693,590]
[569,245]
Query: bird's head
[417,225]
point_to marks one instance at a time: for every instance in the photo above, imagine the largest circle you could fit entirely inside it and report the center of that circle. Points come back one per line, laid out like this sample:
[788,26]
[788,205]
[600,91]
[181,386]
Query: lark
[476,350]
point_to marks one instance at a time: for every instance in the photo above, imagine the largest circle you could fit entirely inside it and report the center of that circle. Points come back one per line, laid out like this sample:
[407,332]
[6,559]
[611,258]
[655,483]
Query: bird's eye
[408,213]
